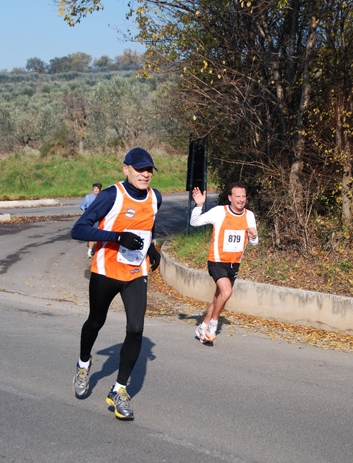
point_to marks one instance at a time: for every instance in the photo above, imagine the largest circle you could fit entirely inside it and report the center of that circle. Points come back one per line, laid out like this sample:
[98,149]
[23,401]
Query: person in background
[85,203]
[233,227]
[125,249]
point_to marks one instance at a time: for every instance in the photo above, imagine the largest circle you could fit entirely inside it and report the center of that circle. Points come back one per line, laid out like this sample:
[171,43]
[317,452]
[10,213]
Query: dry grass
[328,268]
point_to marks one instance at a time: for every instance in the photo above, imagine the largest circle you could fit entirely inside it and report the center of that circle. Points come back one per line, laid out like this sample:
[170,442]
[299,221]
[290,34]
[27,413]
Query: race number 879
[233,240]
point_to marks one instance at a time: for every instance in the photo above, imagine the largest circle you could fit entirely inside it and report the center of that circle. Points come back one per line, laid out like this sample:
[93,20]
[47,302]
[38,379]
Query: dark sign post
[197,170]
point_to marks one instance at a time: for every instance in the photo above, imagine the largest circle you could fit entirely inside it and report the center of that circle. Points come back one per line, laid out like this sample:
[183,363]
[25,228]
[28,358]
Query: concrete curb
[5,217]
[323,311]
[28,203]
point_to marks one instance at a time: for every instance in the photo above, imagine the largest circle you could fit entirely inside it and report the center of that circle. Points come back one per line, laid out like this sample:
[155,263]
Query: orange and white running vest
[229,237]
[127,214]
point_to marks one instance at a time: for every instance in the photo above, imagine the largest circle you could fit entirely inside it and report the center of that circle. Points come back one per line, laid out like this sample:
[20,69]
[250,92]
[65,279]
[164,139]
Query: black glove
[129,240]
[154,256]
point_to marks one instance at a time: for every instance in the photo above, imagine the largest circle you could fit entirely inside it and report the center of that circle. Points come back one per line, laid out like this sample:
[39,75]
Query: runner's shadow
[111,366]
[139,372]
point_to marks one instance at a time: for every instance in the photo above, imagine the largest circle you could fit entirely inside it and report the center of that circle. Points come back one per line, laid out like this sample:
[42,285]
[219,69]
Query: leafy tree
[104,62]
[60,65]
[248,80]
[17,70]
[74,11]
[8,140]
[25,130]
[101,110]
[78,62]
[78,111]
[36,65]
[124,106]
[61,142]
[130,59]
[332,115]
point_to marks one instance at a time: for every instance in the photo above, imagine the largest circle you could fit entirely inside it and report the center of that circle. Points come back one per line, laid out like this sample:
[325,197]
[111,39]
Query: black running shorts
[219,270]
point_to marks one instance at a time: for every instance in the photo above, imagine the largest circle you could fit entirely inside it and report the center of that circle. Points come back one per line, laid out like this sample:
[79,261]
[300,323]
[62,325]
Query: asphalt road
[172,217]
[247,399]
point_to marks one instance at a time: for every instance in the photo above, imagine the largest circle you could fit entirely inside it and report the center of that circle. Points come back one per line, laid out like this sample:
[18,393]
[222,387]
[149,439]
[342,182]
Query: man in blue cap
[125,249]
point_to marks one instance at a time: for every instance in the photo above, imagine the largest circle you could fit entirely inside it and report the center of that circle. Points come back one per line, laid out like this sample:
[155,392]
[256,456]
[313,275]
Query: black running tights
[102,291]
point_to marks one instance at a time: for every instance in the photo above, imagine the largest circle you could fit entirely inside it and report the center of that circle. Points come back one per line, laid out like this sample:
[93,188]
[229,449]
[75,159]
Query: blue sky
[31,28]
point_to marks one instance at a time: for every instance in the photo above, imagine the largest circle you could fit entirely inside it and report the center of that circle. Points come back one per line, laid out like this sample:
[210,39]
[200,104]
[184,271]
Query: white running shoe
[81,380]
[211,332]
[201,333]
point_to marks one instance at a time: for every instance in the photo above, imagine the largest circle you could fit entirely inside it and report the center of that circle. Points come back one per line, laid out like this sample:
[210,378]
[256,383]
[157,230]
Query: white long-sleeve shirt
[230,232]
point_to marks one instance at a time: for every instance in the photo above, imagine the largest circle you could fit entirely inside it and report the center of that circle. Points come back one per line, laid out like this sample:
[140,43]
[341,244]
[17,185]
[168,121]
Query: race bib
[234,240]
[127,256]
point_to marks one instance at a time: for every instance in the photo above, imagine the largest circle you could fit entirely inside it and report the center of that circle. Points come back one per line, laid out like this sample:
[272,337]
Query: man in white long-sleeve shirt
[233,227]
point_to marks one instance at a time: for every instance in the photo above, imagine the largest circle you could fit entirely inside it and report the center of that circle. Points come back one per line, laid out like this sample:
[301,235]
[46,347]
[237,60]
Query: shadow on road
[111,366]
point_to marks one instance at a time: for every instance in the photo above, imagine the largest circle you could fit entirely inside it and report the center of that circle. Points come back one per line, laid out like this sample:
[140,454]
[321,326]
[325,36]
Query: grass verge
[30,176]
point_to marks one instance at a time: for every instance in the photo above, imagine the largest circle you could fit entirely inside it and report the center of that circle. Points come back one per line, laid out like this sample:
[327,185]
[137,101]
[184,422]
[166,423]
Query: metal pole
[205,170]
[191,160]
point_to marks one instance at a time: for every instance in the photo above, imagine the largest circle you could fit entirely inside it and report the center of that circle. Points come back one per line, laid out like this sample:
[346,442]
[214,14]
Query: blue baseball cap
[139,158]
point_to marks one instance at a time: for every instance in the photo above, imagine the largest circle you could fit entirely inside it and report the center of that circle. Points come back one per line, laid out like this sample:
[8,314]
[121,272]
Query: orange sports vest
[229,238]
[127,214]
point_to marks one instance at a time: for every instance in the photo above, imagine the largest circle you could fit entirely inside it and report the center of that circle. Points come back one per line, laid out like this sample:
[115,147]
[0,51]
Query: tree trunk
[343,145]
[295,176]
[347,200]
[80,146]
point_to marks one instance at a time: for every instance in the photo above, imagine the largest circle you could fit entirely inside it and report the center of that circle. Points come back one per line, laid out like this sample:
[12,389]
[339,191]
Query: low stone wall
[324,311]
